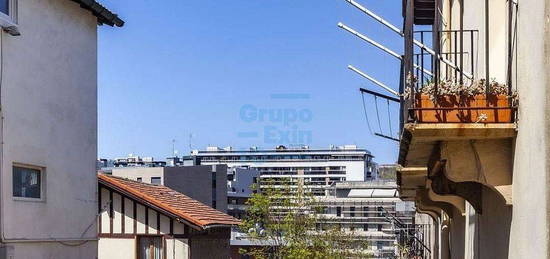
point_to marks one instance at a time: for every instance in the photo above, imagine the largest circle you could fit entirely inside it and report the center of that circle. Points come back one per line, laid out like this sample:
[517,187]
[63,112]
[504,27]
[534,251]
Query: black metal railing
[454,62]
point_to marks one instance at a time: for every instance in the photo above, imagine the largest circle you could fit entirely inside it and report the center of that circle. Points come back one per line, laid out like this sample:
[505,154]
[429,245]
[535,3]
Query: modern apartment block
[48,133]
[372,211]
[239,189]
[316,169]
[206,183]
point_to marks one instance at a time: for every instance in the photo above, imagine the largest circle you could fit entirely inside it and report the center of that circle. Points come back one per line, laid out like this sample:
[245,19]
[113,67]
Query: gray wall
[49,111]
[196,182]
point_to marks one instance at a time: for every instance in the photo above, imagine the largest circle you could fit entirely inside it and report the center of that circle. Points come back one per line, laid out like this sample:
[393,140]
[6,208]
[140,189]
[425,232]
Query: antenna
[190,143]
[174,147]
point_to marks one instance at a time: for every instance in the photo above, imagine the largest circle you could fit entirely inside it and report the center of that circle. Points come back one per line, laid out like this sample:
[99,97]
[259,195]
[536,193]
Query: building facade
[482,174]
[371,211]
[48,133]
[141,220]
[206,183]
[316,169]
[240,187]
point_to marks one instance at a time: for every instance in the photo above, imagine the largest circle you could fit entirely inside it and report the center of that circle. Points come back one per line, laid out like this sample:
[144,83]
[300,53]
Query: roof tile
[172,201]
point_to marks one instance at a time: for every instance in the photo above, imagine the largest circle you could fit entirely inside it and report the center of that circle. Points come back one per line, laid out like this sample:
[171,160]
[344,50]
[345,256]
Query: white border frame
[9,21]
[42,182]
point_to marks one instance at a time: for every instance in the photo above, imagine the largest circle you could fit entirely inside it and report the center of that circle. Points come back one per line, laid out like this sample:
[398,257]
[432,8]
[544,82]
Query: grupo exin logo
[279,125]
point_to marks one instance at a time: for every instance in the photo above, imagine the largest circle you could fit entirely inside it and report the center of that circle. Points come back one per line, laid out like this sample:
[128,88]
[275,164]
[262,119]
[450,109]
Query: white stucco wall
[529,231]
[109,248]
[49,106]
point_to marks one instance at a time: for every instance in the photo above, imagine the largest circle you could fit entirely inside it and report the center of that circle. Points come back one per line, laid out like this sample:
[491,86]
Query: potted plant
[452,102]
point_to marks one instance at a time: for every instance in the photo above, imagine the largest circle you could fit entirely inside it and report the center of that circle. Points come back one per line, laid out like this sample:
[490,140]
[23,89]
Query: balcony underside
[419,140]
[451,163]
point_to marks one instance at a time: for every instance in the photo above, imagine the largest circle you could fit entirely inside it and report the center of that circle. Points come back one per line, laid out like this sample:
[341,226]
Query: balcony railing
[444,83]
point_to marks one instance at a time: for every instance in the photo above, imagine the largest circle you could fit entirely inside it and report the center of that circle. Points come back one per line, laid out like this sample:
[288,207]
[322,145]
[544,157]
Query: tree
[286,222]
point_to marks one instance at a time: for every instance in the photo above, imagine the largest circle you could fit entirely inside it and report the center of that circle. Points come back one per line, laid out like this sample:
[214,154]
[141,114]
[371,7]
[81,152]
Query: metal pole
[361,73]
[378,45]
[395,29]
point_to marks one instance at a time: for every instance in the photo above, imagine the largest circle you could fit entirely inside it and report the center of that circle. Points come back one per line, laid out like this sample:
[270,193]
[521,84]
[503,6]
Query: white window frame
[8,22]
[42,171]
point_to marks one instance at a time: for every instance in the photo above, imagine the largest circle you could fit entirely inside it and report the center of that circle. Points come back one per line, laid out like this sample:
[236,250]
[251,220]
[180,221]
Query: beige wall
[116,248]
[474,19]
[49,109]
[145,173]
[520,231]
[529,230]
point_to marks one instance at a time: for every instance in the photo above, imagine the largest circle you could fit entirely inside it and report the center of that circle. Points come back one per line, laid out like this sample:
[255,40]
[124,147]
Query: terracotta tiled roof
[171,201]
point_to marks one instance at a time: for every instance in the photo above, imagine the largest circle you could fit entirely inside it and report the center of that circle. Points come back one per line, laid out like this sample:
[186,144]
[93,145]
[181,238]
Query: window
[214,189]
[365,227]
[338,211]
[352,211]
[139,179]
[27,182]
[4,6]
[8,16]
[150,247]
[155,180]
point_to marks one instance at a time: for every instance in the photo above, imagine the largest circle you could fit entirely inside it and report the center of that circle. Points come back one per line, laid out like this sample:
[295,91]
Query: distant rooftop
[378,184]
[281,148]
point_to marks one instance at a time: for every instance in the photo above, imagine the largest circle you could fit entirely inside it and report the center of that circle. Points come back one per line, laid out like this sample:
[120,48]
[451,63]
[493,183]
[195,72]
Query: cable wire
[365,111]
[389,118]
[377,113]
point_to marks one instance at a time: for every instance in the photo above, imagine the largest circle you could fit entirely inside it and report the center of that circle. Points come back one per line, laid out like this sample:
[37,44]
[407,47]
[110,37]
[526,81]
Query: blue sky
[242,73]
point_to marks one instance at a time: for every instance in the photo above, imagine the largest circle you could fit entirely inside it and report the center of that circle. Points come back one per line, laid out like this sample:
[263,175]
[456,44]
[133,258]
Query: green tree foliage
[286,222]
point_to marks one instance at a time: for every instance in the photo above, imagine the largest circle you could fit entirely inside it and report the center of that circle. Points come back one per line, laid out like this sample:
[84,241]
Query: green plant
[284,221]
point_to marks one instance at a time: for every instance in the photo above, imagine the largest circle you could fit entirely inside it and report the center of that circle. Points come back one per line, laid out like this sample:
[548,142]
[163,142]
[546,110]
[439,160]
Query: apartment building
[240,183]
[48,133]
[372,211]
[316,169]
[474,145]
[205,183]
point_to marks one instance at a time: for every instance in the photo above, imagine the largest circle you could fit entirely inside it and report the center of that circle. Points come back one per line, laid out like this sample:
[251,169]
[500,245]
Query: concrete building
[206,183]
[317,169]
[372,211]
[48,133]
[140,220]
[481,173]
[135,160]
[239,183]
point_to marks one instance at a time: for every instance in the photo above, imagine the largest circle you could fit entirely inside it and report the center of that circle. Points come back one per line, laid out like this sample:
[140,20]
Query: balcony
[457,125]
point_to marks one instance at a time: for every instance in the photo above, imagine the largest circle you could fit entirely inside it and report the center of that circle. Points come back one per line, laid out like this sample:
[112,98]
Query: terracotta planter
[462,109]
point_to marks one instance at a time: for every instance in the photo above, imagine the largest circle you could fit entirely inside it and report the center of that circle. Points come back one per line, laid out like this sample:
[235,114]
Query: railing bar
[415,84]
[456,54]
[463,108]
[422,55]
[461,49]
[456,30]
[379,95]
[472,54]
